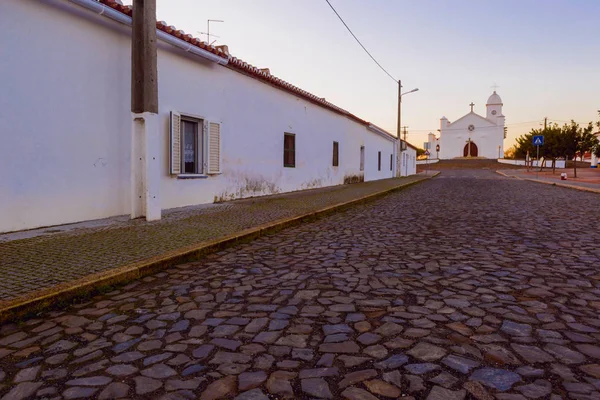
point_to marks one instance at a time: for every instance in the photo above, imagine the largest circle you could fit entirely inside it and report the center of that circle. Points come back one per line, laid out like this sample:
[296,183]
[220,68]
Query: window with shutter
[391,161]
[214,148]
[379,161]
[336,154]
[187,145]
[289,150]
[175,159]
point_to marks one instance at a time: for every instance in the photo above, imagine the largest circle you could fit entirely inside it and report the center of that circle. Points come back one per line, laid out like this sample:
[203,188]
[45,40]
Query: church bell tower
[494,107]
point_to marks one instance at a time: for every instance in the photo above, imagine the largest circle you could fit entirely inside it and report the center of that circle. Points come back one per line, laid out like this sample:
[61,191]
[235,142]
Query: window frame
[336,154]
[199,144]
[287,150]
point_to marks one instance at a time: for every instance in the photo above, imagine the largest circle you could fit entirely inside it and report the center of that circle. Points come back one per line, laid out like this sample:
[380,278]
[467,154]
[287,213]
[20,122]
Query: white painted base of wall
[425,162]
[546,163]
[145,167]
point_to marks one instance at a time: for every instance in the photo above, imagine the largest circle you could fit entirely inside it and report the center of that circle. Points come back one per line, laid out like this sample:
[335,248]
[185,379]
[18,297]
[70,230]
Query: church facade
[472,135]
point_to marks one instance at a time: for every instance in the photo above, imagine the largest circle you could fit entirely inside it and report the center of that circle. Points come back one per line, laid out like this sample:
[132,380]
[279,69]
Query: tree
[420,152]
[567,141]
[509,153]
[578,140]
[597,148]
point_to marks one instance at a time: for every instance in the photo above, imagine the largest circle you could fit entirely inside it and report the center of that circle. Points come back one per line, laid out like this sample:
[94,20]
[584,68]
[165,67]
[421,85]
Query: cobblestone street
[469,285]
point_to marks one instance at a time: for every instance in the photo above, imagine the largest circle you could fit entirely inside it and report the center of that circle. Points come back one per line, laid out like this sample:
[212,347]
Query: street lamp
[400,94]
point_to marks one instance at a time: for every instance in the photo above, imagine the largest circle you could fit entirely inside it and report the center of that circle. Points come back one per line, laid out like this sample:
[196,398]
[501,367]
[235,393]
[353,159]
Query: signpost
[538,140]
[427,162]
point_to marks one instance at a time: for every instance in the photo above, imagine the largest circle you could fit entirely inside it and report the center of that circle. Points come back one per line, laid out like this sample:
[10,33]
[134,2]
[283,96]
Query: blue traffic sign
[538,140]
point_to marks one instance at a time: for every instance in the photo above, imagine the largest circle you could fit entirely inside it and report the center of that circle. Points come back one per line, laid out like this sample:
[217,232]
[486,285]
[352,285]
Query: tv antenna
[207,33]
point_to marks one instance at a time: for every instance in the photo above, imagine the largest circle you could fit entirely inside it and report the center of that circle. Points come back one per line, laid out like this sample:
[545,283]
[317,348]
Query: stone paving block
[457,310]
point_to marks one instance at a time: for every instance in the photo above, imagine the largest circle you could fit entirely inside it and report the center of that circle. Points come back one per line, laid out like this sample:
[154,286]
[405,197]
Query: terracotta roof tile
[242,66]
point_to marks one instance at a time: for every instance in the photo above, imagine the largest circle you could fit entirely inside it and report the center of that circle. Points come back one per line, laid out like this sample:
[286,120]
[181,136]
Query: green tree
[597,148]
[420,152]
[578,140]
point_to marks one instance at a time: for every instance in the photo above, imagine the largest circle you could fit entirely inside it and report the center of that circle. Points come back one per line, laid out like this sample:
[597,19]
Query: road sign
[538,140]
[427,152]
[437,148]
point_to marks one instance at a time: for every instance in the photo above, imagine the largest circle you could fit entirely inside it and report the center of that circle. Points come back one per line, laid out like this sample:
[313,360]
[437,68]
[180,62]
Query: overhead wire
[359,42]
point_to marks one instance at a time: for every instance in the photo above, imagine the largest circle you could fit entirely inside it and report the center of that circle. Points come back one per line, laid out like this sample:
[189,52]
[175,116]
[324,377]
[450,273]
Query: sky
[544,55]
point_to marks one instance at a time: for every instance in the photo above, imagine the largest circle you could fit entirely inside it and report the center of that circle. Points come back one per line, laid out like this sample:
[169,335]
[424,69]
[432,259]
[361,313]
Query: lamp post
[400,94]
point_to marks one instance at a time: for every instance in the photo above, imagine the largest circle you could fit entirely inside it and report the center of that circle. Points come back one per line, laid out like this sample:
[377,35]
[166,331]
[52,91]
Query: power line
[361,45]
[490,127]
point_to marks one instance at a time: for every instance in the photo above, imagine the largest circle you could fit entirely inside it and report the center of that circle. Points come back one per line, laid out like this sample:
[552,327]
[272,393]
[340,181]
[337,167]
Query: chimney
[224,49]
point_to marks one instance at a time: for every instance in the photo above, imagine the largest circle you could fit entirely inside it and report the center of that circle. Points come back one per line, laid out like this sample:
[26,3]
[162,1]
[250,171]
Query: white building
[225,129]
[472,135]
[408,159]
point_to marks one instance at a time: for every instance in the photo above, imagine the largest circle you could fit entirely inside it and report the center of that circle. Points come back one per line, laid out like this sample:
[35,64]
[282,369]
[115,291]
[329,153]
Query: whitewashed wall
[428,162]
[408,165]
[66,104]
[64,117]
[534,163]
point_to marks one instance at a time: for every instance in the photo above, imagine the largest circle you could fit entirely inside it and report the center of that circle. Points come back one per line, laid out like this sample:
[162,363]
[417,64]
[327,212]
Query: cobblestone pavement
[63,254]
[470,285]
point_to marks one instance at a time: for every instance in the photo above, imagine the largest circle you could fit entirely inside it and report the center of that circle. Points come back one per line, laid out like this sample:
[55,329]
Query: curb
[96,283]
[582,188]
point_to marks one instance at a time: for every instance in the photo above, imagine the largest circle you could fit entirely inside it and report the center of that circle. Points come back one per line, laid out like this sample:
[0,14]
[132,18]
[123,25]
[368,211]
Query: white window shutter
[175,128]
[214,148]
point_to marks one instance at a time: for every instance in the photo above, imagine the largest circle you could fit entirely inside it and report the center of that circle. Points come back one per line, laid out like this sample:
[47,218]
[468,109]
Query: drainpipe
[124,19]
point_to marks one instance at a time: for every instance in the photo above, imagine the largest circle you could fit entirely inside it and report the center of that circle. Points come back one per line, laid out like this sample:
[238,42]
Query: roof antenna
[207,33]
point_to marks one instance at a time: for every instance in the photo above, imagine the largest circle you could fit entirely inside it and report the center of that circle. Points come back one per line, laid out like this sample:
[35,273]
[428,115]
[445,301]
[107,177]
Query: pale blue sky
[543,54]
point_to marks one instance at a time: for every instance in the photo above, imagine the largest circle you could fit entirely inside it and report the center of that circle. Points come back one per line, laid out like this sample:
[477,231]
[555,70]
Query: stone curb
[582,188]
[95,283]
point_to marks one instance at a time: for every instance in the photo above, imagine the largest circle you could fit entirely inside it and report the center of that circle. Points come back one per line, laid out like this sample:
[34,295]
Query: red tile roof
[242,66]
[171,30]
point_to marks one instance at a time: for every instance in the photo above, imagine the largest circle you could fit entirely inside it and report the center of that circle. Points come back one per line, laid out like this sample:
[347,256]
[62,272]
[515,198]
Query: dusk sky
[543,55]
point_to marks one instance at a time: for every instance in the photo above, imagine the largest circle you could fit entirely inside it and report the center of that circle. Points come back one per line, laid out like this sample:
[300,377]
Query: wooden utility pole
[144,83]
[399,130]
[145,142]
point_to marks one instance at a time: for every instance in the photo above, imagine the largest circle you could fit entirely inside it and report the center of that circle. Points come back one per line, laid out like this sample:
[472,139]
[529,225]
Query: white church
[472,135]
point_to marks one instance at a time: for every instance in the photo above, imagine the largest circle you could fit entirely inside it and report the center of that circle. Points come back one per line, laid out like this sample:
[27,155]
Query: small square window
[289,150]
[336,154]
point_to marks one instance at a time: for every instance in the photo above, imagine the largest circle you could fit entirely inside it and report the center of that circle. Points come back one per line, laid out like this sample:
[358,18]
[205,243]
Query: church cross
[494,86]
[472,105]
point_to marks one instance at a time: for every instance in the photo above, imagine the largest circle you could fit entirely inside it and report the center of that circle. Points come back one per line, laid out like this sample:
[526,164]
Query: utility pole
[144,88]
[145,143]
[399,129]
[545,123]
[399,126]
[405,133]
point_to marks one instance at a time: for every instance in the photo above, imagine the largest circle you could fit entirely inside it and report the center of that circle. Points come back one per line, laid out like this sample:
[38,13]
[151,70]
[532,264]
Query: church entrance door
[473,152]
